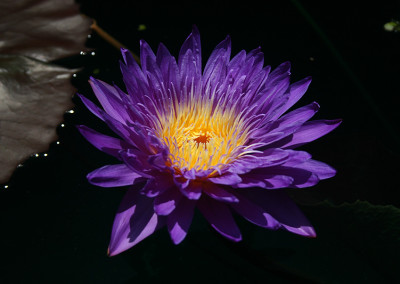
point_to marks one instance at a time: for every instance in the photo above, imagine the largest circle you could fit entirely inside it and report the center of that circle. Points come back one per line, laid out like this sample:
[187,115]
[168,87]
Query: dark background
[55,227]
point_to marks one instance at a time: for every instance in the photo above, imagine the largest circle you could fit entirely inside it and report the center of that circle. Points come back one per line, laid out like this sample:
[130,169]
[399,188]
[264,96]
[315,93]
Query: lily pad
[35,94]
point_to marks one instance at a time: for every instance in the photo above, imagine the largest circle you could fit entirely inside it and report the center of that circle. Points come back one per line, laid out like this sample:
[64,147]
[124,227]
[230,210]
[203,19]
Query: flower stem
[111,40]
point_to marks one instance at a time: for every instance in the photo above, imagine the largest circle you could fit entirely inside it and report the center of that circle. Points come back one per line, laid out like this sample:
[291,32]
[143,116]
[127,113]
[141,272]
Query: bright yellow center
[200,137]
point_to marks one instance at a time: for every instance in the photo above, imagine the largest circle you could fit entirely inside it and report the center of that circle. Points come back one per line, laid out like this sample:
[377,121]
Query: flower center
[203,138]
[202,134]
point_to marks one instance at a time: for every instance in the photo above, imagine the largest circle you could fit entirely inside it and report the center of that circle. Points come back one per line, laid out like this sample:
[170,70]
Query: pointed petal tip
[232,237]
[195,30]
[143,43]
[316,106]
[177,235]
[304,231]
[110,252]
[309,232]
[334,122]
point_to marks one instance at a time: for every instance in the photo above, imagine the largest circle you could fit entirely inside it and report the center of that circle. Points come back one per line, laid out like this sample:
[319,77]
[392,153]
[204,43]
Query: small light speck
[70,111]
[20,165]
[89,36]
[74,75]
[62,125]
[93,53]
[142,27]
[45,155]
[36,155]
[58,142]
[6,186]
[312,58]
[82,53]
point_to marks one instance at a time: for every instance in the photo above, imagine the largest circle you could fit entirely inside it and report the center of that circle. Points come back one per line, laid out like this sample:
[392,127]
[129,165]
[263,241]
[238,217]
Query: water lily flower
[220,139]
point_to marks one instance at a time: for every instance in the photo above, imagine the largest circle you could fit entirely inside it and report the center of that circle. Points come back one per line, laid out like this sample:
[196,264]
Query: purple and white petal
[220,218]
[167,201]
[107,144]
[178,222]
[278,204]
[135,220]
[113,176]
[218,193]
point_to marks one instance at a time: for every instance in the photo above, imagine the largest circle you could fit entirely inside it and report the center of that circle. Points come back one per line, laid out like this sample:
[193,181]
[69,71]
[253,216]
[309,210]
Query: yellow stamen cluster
[200,136]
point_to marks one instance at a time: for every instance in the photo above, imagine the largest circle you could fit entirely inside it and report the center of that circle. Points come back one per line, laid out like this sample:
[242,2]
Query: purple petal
[288,124]
[113,176]
[264,178]
[310,131]
[134,162]
[296,158]
[322,170]
[300,177]
[107,144]
[131,134]
[91,106]
[227,179]
[277,181]
[281,208]
[191,43]
[166,202]
[109,99]
[193,190]
[220,218]
[296,91]
[146,56]
[267,158]
[168,66]
[299,115]
[254,213]
[216,65]
[157,185]
[217,193]
[133,77]
[135,220]
[178,222]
